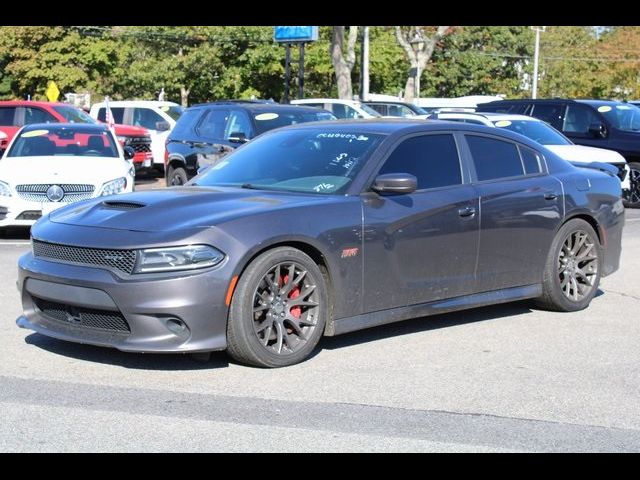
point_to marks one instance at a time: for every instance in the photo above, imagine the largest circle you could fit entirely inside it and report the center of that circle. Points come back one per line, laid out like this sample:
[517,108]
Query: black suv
[207,132]
[595,123]
[396,109]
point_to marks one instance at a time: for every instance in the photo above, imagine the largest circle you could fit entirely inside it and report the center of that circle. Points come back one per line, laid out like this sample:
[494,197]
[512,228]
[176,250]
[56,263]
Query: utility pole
[364,92]
[536,54]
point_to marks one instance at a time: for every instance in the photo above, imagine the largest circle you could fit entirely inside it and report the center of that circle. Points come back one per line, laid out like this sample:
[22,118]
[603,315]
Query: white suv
[157,117]
[340,108]
[543,133]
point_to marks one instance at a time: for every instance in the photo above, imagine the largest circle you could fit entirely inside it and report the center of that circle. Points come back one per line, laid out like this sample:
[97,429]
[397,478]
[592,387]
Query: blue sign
[295,34]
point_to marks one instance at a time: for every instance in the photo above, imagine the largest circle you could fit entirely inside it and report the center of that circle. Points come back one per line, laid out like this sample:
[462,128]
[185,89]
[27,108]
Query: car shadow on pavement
[137,361]
[423,324]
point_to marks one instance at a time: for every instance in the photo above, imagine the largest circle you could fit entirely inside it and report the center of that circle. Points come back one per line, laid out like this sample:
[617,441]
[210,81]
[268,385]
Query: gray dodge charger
[321,229]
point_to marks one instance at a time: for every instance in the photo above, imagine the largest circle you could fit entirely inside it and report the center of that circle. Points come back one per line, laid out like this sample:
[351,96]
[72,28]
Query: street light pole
[536,54]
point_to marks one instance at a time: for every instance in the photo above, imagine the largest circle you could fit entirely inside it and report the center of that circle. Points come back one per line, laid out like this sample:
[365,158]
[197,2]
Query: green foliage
[203,63]
[480,61]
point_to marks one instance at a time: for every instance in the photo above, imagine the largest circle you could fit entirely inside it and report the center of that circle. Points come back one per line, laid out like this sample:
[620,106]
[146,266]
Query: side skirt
[382,317]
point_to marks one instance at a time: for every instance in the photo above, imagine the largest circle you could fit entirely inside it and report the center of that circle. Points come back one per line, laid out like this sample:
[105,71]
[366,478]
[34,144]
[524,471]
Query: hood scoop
[118,205]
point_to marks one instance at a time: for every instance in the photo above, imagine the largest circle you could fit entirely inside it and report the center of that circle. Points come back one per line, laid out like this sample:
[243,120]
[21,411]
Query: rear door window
[494,158]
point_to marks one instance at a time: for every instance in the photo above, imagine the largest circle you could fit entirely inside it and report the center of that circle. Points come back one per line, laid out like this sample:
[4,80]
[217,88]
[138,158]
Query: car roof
[142,103]
[494,117]
[324,100]
[35,103]
[390,102]
[81,127]
[261,106]
[395,125]
[545,100]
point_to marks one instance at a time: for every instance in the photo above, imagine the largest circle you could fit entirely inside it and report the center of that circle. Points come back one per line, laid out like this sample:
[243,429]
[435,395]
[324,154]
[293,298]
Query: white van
[156,116]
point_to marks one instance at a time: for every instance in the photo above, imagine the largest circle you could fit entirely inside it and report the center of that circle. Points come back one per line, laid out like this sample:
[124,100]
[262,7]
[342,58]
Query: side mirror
[597,130]
[397,183]
[163,126]
[129,153]
[238,137]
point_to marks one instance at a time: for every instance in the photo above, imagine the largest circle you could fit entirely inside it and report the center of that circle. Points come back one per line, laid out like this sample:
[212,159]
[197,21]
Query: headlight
[177,258]
[121,139]
[114,186]
[5,191]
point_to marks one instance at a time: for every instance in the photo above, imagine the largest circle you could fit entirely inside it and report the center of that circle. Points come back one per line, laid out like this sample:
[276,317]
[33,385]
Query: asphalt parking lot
[504,378]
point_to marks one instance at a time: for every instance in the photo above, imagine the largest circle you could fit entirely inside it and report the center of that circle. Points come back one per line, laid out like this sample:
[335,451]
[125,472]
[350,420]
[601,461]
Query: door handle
[467,212]
[550,196]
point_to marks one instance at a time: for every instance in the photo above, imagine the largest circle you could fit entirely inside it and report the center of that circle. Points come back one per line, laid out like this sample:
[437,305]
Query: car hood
[584,154]
[178,208]
[130,130]
[62,169]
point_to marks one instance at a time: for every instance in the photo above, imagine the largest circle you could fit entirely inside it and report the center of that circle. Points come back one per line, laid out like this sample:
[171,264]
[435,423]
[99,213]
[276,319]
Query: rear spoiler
[603,167]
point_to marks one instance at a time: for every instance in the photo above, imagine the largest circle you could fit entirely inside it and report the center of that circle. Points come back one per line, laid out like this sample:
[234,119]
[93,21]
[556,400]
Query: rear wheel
[279,310]
[572,271]
[177,176]
[632,197]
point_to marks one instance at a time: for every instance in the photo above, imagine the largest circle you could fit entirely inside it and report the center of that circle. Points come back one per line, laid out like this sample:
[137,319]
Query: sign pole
[287,71]
[301,71]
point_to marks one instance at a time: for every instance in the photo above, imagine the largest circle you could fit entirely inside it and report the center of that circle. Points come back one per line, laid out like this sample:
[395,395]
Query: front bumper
[17,212]
[148,305]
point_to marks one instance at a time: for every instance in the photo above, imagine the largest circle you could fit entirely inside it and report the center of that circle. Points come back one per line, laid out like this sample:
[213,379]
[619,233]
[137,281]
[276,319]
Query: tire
[260,330]
[176,177]
[559,292]
[159,169]
[632,199]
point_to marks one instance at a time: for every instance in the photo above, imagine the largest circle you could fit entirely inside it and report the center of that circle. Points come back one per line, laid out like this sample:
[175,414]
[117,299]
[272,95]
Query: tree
[482,60]
[418,57]
[343,62]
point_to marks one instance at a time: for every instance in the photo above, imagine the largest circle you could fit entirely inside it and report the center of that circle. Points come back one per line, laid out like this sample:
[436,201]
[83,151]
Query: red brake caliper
[294,293]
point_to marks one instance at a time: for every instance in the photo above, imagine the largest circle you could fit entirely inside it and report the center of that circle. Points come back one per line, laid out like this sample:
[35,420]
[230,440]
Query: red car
[16,113]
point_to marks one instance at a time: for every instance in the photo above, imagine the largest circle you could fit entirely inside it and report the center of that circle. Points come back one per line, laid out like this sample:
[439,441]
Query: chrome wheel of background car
[285,308]
[578,265]
[633,198]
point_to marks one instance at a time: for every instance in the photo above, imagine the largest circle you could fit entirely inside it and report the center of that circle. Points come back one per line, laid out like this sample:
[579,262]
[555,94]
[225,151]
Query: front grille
[38,192]
[30,215]
[139,144]
[140,147]
[123,260]
[82,316]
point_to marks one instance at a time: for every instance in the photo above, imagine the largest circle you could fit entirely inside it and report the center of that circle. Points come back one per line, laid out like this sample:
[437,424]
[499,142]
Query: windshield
[269,120]
[623,116]
[174,111]
[74,115]
[310,161]
[63,141]
[537,131]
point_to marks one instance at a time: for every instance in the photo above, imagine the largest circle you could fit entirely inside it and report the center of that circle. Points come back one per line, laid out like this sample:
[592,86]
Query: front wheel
[572,271]
[279,310]
[631,198]
[176,177]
